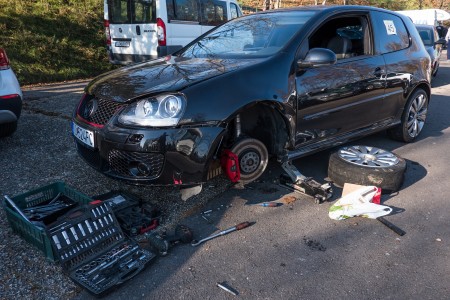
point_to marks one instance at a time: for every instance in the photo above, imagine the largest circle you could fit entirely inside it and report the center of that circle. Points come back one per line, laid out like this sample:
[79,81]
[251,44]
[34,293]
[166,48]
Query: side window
[144,11]
[391,32]
[118,11]
[214,12]
[346,36]
[182,10]
[234,10]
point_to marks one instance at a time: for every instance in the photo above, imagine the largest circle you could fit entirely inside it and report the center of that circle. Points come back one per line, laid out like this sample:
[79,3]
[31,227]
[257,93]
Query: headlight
[160,111]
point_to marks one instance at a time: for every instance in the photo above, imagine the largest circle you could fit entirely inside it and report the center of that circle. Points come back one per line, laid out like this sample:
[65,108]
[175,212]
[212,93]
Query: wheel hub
[249,162]
[368,156]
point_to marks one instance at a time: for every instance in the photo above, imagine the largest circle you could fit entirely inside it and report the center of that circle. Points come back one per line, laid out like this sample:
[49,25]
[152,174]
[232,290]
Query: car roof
[424,26]
[335,8]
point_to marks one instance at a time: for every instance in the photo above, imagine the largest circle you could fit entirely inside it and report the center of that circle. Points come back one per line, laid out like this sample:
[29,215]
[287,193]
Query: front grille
[135,164]
[92,157]
[105,109]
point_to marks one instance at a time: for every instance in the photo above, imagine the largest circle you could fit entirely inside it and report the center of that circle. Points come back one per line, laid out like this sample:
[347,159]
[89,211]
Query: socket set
[134,217]
[93,249]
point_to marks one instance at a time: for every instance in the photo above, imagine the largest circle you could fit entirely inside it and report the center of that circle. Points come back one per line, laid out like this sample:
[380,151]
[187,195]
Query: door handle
[379,72]
[138,30]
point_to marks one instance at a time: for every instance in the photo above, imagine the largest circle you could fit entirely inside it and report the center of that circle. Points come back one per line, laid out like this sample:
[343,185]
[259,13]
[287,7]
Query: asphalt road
[294,251]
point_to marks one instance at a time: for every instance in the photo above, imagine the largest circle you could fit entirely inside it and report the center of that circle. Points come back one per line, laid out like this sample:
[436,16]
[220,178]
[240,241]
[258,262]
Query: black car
[279,84]
[433,44]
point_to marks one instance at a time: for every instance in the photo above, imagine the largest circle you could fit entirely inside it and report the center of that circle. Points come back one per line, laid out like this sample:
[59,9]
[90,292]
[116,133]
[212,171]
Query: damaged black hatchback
[279,84]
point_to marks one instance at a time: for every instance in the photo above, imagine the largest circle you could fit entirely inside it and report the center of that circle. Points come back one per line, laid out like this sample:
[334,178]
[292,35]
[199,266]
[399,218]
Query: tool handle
[391,226]
[242,225]
[269,204]
[16,208]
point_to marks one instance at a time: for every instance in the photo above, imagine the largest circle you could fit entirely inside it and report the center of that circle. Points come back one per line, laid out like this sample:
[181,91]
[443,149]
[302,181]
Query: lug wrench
[223,232]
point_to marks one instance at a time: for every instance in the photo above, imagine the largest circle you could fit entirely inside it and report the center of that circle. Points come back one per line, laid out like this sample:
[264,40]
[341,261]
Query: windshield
[427,36]
[250,36]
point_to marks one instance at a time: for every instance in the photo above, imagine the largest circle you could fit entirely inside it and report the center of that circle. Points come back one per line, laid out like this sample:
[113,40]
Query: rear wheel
[8,129]
[252,158]
[413,118]
[365,165]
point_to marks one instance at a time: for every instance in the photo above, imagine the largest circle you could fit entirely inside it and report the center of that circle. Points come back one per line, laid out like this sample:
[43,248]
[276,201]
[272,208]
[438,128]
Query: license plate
[83,135]
[122,44]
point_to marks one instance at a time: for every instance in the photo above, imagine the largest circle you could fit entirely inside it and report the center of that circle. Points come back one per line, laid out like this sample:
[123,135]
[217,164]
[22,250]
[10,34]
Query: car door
[402,61]
[342,99]
[183,22]
[214,13]
[132,27]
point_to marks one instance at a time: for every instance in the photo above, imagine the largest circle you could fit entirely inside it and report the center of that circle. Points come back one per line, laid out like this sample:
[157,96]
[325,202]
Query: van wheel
[8,129]
[366,165]
[252,158]
[413,118]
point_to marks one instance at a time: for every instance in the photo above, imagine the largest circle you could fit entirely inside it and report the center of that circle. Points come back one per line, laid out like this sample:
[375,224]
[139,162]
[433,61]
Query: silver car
[10,97]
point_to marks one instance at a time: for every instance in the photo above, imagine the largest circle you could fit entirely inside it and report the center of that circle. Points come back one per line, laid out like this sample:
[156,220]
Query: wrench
[223,232]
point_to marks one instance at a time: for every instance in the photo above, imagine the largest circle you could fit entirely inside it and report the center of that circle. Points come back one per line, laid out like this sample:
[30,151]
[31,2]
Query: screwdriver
[268,204]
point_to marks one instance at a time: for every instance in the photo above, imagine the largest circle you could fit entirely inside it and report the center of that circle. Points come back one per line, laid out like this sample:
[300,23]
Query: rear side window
[391,32]
[132,11]
[214,12]
[183,10]
[234,10]
[119,12]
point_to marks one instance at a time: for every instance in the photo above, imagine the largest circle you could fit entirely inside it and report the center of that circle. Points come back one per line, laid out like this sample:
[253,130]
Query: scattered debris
[288,200]
[268,204]
[362,201]
[227,288]
[187,193]
[314,245]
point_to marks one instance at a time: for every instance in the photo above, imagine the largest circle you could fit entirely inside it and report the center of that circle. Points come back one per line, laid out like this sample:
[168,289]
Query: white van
[139,30]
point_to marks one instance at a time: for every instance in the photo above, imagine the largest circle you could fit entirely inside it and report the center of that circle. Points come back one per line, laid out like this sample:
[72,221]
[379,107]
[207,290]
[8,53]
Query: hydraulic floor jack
[296,181]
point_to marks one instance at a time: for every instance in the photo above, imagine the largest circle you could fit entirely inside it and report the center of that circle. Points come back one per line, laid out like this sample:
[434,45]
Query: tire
[8,129]
[252,158]
[366,165]
[413,118]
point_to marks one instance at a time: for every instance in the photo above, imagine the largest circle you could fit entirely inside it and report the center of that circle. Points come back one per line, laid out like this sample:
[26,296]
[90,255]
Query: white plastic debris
[358,202]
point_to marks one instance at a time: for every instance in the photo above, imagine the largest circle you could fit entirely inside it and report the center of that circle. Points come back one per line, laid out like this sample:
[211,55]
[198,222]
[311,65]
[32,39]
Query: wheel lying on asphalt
[366,165]
[413,118]
[252,159]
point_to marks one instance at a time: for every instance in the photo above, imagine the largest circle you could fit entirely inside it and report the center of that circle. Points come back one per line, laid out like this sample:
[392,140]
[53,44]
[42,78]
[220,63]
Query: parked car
[278,84]
[10,97]
[433,44]
[139,30]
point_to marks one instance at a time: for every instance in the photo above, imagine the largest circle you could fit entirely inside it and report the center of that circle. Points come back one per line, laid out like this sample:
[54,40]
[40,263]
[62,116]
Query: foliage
[53,40]
[388,4]
[57,40]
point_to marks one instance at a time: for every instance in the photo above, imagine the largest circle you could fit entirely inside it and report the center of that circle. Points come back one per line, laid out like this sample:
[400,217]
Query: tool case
[134,217]
[93,249]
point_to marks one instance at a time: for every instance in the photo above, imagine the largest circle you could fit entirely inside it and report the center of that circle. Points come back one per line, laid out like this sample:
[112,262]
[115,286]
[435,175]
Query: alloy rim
[368,156]
[417,115]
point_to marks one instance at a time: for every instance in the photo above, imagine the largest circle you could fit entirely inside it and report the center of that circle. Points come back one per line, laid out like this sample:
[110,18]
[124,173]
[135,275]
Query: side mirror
[317,57]
[441,41]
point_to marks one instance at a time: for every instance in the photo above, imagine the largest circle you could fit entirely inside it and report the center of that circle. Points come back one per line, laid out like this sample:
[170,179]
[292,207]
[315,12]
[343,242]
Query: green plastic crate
[32,234]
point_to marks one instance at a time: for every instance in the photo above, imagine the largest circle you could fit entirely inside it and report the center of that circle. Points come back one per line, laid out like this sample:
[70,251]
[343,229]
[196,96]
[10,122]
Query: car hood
[168,74]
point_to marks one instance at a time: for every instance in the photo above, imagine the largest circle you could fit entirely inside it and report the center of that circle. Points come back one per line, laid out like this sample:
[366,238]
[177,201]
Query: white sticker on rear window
[390,27]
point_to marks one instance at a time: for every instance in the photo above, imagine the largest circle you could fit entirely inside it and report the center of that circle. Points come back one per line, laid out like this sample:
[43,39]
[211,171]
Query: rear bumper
[10,109]
[173,156]
[124,59]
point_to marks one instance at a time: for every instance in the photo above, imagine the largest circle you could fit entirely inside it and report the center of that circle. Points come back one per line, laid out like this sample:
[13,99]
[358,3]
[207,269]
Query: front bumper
[172,156]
